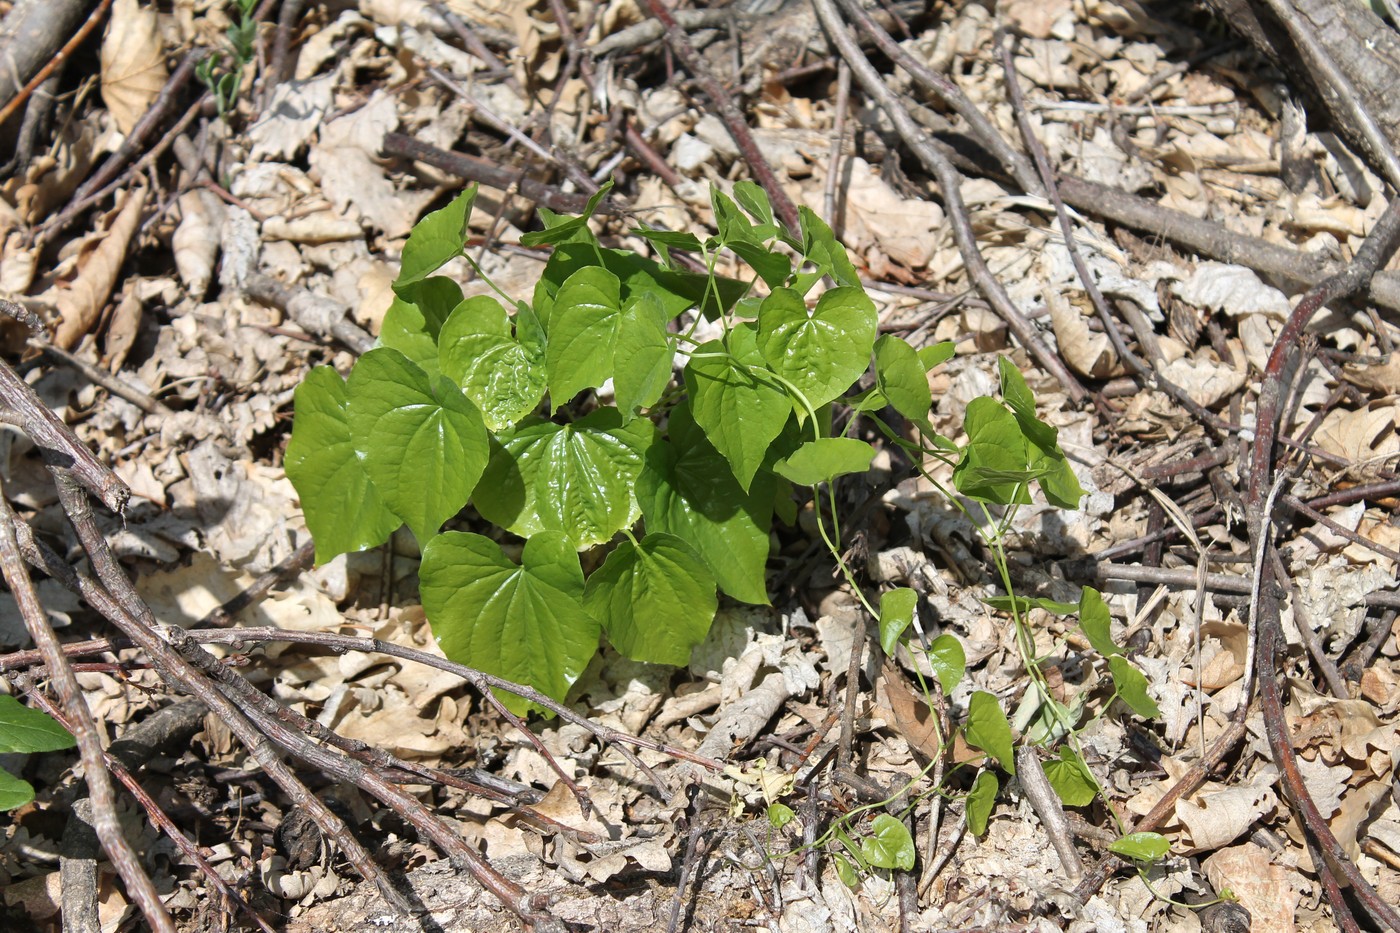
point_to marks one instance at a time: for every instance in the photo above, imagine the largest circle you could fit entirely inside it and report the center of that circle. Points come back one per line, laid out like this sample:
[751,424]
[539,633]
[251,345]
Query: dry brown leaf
[1381,377]
[122,329]
[1215,816]
[80,304]
[1260,884]
[1205,381]
[1364,437]
[133,66]
[1086,352]
[911,715]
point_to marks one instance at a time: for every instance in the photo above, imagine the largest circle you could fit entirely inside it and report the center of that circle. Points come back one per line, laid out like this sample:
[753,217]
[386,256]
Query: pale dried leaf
[133,67]
[1235,290]
[1260,883]
[196,240]
[1215,816]
[122,329]
[1366,437]
[1205,381]
[1086,352]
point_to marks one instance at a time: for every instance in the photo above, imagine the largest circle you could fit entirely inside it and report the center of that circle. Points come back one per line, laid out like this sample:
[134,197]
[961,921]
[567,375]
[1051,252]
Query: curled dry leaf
[122,329]
[196,239]
[1365,437]
[80,304]
[1260,883]
[1086,352]
[133,67]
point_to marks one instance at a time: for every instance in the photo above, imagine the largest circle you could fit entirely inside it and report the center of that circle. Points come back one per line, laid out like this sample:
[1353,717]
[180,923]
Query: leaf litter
[328,213]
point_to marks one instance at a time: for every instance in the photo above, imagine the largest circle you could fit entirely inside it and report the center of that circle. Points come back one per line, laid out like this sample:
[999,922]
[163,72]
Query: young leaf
[821,351]
[901,377]
[656,599]
[1026,603]
[322,464]
[896,615]
[1132,687]
[824,459]
[1057,479]
[574,478]
[889,845]
[948,661]
[526,623]
[677,291]
[30,730]
[645,354]
[500,375]
[435,239]
[980,801]
[845,870]
[1141,847]
[435,298]
[821,248]
[995,449]
[669,239]
[937,354]
[1071,779]
[583,330]
[779,815]
[988,729]
[421,441]
[740,412]
[754,199]
[1094,620]
[568,228]
[14,792]
[686,489]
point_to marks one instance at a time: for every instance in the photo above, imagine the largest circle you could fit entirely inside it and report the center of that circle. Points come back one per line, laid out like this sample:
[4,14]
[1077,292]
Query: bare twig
[56,61]
[949,182]
[729,113]
[99,781]
[1048,808]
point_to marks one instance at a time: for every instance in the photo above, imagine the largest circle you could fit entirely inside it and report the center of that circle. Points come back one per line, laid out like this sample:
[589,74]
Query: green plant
[25,730]
[222,70]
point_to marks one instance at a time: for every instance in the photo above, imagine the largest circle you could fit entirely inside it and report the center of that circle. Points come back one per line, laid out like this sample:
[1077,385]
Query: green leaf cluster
[589,419]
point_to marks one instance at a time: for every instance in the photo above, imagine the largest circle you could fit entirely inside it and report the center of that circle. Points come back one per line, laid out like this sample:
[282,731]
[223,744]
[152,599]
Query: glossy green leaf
[583,330]
[436,239]
[322,464]
[645,355]
[821,351]
[889,844]
[780,815]
[525,622]
[901,377]
[772,266]
[686,489]
[669,239]
[988,729]
[896,615]
[1131,686]
[1141,847]
[14,792]
[824,459]
[676,290]
[995,450]
[948,661]
[477,350]
[574,478]
[1071,779]
[980,802]
[421,441]
[564,229]
[415,318]
[656,599]
[937,354]
[30,730]
[1094,620]
[740,411]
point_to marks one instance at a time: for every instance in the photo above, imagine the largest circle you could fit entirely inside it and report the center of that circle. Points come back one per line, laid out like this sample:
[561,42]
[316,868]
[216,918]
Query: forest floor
[193,262]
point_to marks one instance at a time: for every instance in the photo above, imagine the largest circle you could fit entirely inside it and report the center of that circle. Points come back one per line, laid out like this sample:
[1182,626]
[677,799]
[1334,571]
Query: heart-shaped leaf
[988,729]
[436,239]
[500,375]
[523,622]
[645,354]
[740,411]
[1071,779]
[901,377]
[322,464]
[422,442]
[980,801]
[656,599]
[1132,687]
[576,478]
[889,845]
[583,328]
[825,458]
[821,351]
[896,615]
[686,488]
